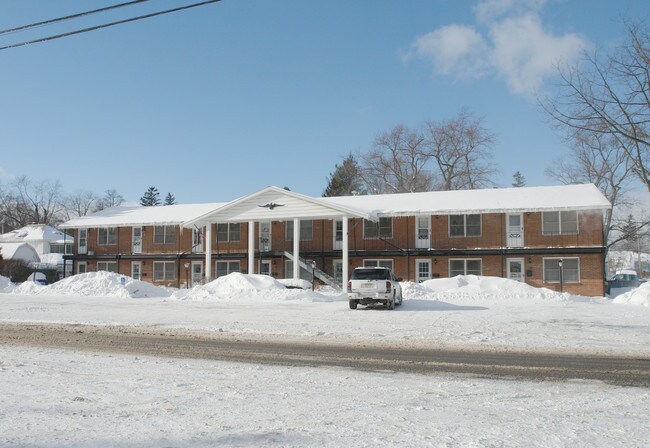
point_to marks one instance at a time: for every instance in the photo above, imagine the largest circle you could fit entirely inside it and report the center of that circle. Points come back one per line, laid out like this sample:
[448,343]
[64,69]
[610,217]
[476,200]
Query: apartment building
[545,236]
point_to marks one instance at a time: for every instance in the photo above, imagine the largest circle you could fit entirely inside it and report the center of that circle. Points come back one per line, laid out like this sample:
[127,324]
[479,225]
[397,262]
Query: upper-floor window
[58,248]
[229,232]
[306,230]
[375,230]
[464,225]
[107,236]
[164,234]
[560,223]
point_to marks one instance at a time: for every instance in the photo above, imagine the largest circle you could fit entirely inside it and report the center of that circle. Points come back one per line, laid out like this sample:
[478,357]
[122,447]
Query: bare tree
[396,163]
[611,95]
[26,202]
[80,204]
[599,159]
[110,199]
[460,150]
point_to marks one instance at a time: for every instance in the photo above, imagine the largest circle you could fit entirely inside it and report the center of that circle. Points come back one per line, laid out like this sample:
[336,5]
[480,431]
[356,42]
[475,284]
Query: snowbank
[4,283]
[638,296]
[251,287]
[478,288]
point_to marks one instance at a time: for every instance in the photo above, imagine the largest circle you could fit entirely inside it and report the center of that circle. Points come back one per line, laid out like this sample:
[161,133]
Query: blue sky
[222,100]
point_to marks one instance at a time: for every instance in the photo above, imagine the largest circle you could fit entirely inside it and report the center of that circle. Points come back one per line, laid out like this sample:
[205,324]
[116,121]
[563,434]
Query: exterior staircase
[318,273]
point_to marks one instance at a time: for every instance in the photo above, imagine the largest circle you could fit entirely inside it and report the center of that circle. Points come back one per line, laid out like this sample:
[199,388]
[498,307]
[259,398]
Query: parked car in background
[622,282]
[374,285]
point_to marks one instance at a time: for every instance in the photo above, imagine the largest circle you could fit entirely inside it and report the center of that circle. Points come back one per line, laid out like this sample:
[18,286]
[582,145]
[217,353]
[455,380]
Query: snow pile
[250,287]
[638,296]
[26,288]
[474,287]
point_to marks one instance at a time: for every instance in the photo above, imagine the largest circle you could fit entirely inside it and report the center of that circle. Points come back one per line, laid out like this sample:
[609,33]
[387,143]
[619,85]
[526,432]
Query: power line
[73,16]
[106,25]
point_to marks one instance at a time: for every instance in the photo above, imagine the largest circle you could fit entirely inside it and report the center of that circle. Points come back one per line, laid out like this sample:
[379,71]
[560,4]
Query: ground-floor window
[164,271]
[570,270]
[227,267]
[109,266]
[378,263]
[82,267]
[465,266]
[288,271]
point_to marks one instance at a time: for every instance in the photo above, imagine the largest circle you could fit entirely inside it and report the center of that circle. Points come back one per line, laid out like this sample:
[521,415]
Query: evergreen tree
[170,199]
[151,197]
[346,179]
[518,180]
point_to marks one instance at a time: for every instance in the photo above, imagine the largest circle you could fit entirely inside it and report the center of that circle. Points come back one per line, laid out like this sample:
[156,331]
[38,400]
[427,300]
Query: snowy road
[622,371]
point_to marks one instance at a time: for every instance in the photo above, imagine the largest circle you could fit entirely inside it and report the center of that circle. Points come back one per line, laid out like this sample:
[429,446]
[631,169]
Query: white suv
[374,285]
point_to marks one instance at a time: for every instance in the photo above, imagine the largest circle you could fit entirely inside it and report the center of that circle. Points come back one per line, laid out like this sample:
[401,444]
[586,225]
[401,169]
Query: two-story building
[545,236]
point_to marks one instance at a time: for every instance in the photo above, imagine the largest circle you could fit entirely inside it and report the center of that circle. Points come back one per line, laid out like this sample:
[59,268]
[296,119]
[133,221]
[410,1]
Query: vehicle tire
[390,303]
[399,303]
[353,304]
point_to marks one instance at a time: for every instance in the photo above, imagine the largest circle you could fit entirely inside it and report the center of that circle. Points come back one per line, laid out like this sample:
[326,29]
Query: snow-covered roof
[130,216]
[19,251]
[494,200]
[36,232]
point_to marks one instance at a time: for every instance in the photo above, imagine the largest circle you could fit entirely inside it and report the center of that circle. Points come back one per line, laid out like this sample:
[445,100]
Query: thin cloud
[514,47]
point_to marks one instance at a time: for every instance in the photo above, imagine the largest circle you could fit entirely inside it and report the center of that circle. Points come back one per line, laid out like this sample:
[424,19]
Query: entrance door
[136,270]
[136,240]
[197,272]
[265,236]
[423,232]
[265,267]
[83,241]
[422,270]
[337,244]
[515,230]
[516,269]
[197,241]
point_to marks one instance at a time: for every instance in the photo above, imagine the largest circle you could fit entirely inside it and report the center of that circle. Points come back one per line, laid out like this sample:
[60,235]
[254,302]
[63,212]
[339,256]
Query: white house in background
[39,245]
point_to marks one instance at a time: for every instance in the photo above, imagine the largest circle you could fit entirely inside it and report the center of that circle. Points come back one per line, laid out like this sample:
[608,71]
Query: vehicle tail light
[349,286]
[388,286]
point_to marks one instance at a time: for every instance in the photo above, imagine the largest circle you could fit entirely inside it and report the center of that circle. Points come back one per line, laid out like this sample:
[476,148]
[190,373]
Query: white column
[208,253]
[344,249]
[296,248]
[251,247]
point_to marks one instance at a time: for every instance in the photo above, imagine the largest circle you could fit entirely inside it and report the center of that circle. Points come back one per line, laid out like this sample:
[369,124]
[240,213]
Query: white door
[516,269]
[423,232]
[265,267]
[197,240]
[82,246]
[136,240]
[197,272]
[136,270]
[515,230]
[422,270]
[265,236]
[337,230]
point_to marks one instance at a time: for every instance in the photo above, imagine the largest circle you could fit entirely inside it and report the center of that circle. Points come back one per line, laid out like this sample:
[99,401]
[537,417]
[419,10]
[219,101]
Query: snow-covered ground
[64,398]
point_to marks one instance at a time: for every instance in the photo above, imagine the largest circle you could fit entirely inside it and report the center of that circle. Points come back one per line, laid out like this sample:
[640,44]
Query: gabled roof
[141,216]
[277,204]
[36,232]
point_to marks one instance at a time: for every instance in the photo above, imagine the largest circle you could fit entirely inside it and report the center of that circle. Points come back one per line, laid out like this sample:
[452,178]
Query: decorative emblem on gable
[271,205]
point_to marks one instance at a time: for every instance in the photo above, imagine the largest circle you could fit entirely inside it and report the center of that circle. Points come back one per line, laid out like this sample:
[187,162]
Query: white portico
[276,204]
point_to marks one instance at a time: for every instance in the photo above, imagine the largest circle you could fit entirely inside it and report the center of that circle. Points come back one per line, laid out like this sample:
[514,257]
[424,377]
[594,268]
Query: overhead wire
[107,25]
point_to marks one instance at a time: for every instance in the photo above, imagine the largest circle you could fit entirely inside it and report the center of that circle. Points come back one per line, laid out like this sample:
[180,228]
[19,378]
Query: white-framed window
[560,223]
[306,230]
[82,267]
[164,271]
[107,236]
[465,266]
[375,230]
[227,267]
[464,225]
[378,263]
[229,232]
[164,234]
[109,266]
[58,248]
[570,270]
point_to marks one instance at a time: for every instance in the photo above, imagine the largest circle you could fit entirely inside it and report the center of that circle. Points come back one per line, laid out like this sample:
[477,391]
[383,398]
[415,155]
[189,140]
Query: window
[560,223]
[464,225]
[164,234]
[106,236]
[226,267]
[570,270]
[376,230]
[164,270]
[58,248]
[229,232]
[306,230]
[465,267]
[379,263]
[109,266]
[81,267]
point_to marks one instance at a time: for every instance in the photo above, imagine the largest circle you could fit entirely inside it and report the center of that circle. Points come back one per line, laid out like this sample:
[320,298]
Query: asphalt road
[617,370]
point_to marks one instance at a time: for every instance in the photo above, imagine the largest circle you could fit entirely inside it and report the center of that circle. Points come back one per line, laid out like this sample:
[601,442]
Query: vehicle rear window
[370,274]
